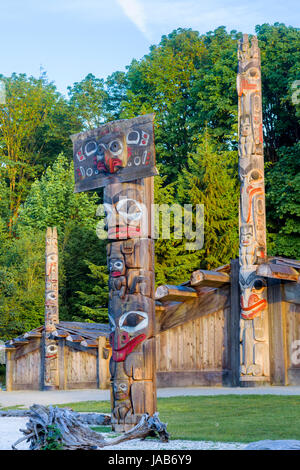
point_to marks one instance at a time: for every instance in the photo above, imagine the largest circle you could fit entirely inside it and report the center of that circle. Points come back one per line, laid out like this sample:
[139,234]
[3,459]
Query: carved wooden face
[107,153]
[130,323]
[125,214]
[252,296]
[245,126]
[121,389]
[247,235]
[123,148]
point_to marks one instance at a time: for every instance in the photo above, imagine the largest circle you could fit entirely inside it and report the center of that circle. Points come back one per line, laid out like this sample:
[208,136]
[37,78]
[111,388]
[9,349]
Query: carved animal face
[245,126]
[125,214]
[116,267]
[246,235]
[252,294]
[129,322]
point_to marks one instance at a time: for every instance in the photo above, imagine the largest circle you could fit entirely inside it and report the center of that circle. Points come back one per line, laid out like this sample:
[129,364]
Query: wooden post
[50,363]
[62,364]
[9,369]
[120,157]
[103,372]
[254,305]
[233,324]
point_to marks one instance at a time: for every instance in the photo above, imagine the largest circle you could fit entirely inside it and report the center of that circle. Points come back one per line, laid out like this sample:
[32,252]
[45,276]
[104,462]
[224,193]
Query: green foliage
[95,299]
[22,283]
[52,438]
[283,196]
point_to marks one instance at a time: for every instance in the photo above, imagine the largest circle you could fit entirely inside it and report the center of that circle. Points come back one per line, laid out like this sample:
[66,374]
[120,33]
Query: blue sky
[71,38]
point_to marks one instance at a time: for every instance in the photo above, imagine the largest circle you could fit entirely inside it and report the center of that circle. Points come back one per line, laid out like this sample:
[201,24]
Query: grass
[224,418]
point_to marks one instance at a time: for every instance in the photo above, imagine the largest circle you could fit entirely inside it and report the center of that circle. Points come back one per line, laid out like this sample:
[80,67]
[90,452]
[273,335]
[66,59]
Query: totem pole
[120,156]
[254,306]
[50,350]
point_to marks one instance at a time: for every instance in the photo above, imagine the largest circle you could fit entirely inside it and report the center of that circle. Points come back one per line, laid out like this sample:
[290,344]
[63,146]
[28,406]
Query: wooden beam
[202,305]
[203,278]
[32,335]
[278,271]
[90,343]
[75,338]
[169,293]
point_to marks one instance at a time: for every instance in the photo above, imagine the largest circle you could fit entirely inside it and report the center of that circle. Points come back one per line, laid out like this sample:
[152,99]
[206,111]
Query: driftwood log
[76,435]
[97,419]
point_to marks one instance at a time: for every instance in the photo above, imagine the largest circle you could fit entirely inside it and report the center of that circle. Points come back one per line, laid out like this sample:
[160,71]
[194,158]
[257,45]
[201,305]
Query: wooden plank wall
[81,368]
[194,353]
[292,309]
[26,365]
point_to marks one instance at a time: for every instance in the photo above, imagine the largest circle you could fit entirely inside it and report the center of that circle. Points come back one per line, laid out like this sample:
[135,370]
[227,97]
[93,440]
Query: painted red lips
[120,355]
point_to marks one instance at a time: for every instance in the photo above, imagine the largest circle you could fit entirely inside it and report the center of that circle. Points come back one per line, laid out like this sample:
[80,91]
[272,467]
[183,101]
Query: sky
[71,38]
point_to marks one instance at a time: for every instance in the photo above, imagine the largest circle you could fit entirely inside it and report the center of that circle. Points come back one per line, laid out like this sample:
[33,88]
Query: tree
[89,99]
[52,202]
[31,122]
[283,208]
[211,180]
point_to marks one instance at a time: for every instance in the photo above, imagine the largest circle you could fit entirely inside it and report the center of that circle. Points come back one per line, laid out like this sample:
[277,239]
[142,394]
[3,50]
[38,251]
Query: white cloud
[134,10]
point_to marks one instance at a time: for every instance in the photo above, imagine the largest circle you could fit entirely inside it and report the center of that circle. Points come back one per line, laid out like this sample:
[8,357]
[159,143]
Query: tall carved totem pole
[254,306]
[50,377]
[120,156]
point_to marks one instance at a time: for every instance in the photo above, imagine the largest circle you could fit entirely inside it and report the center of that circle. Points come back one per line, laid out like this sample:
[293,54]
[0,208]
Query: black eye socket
[258,284]
[133,319]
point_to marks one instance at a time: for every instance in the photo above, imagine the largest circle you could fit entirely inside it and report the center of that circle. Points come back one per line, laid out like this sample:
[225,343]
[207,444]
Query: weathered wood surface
[50,368]
[203,278]
[293,342]
[278,339]
[96,419]
[252,217]
[233,325]
[131,300]
[168,293]
[202,305]
[292,292]
[75,435]
[81,368]
[278,271]
[195,353]
[120,150]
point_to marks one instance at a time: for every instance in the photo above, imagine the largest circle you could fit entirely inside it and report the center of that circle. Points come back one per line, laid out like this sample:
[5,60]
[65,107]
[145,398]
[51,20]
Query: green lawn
[224,418]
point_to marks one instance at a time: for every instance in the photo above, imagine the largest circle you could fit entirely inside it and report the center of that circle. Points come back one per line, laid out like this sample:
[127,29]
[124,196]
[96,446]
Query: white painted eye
[129,209]
[52,349]
[116,147]
[118,265]
[133,321]
[90,148]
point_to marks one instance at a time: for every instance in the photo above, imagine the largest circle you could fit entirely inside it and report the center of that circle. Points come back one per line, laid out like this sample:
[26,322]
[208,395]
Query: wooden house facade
[197,336]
